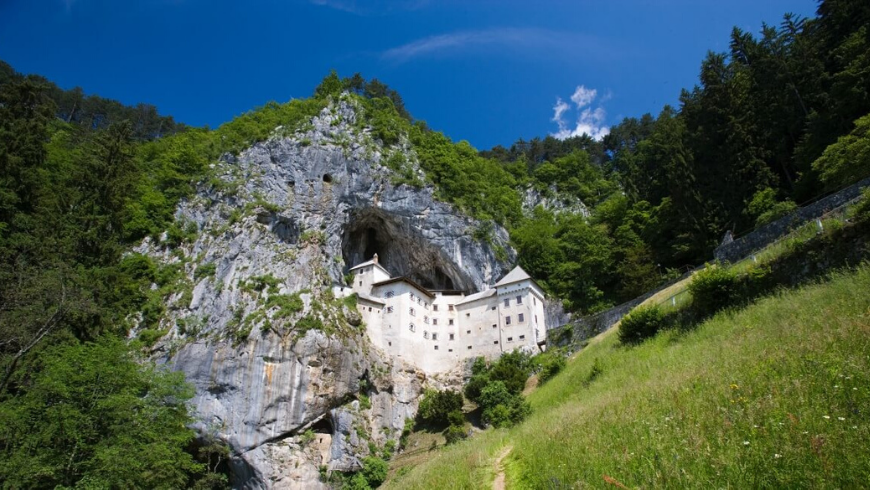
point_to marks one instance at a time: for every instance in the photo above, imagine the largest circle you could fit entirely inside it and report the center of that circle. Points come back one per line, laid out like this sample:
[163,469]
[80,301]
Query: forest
[780,119]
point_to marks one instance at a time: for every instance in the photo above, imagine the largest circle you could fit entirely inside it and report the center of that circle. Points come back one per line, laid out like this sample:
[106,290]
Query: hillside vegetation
[771,395]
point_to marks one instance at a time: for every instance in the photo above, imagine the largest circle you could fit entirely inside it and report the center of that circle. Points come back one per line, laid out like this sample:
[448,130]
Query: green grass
[774,395]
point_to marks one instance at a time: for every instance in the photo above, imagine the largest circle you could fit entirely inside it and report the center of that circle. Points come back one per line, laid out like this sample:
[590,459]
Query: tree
[95,414]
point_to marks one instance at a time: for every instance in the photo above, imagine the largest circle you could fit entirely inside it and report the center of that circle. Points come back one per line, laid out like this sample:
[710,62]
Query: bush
[501,408]
[551,368]
[374,471]
[455,433]
[436,406]
[713,289]
[641,324]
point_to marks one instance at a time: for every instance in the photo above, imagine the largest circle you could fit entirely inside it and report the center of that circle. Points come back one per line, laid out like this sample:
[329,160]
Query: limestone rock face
[283,370]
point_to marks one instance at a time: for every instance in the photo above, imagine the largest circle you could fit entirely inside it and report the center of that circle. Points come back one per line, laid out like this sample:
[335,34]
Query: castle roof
[405,280]
[476,296]
[516,275]
[370,299]
[367,263]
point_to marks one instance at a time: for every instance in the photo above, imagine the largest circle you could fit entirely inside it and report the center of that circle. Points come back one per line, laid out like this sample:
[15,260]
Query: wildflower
[826,417]
[836,386]
[841,419]
[734,386]
[745,443]
[777,456]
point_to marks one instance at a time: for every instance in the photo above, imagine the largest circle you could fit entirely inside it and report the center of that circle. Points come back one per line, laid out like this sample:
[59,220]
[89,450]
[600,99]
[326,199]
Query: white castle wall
[447,328]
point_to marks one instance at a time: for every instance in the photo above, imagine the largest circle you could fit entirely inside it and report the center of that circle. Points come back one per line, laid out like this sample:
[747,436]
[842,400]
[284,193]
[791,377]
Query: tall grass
[774,395]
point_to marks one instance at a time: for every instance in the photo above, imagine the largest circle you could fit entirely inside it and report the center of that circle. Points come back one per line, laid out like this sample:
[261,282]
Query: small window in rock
[291,183]
[327,178]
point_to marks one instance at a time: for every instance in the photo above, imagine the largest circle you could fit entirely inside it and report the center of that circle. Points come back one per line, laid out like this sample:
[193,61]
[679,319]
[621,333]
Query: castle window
[507,302]
[493,308]
[468,314]
[522,337]
[496,342]
[534,301]
[327,178]
[469,347]
[450,321]
[494,325]
[449,350]
[425,334]
[389,294]
[521,318]
[389,309]
[434,336]
[411,327]
[419,301]
[507,320]
[434,321]
[413,297]
[451,336]
[426,320]
[411,311]
[434,307]
[519,300]
[436,347]
[449,307]
[468,332]
[510,339]
[360,283]
[390,344]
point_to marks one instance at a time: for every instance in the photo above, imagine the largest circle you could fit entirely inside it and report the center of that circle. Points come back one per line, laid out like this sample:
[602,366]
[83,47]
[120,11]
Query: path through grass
[775,395]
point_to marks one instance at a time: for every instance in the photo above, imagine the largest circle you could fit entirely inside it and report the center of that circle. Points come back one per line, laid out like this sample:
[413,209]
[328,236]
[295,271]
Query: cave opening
[327,178]
[401,250]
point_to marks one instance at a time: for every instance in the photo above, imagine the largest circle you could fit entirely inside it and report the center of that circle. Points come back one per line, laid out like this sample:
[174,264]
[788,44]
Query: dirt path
[499,483]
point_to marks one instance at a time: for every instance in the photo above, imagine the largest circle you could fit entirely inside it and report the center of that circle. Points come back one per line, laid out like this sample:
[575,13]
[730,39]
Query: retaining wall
[738,248]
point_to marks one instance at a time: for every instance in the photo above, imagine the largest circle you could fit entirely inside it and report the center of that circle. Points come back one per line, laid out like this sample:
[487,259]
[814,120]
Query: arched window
[411,327]
[425,334]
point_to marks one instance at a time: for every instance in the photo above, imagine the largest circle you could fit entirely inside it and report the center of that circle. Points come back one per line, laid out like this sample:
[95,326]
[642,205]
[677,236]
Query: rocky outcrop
[283,370]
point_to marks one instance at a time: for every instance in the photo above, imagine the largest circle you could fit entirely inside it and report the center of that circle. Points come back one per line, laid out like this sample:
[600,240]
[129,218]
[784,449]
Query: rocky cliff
[283,370]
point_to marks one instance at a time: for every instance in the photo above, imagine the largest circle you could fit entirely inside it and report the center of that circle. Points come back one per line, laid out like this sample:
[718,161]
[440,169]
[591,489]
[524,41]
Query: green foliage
[436,406]
[84,410]
[766,208]
[847,160]
[365,402]
[308,322]
[641,324]
[455,433]
[501,408]
[286,304]
[713,289]
[204,270]
[149,336]
[553,365]
[374,471]
[266,282]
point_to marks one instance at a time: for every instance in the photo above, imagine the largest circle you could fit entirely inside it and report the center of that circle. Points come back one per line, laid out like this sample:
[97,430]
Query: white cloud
[533,41]
[590,121]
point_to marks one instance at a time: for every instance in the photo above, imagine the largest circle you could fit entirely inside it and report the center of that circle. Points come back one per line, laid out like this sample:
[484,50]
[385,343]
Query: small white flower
[826,417]
[836,386]
[745,443]
[777,456]
[854,426]
[805,432]
[854,389]
[841,419]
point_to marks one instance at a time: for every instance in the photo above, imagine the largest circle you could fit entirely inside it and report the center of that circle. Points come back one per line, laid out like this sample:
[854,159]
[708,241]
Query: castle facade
[436,330]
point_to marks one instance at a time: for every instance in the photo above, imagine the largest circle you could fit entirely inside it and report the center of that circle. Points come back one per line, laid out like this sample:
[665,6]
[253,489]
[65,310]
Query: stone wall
[735,249]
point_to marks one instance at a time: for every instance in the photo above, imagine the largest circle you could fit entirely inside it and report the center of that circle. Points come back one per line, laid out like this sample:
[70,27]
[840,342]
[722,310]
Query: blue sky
[485,71]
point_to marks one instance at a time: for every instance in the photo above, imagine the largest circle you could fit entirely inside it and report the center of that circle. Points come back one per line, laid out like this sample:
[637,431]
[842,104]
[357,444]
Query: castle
[436,330]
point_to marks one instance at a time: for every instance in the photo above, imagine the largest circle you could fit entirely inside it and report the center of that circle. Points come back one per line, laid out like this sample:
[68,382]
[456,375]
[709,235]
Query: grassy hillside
[776,394]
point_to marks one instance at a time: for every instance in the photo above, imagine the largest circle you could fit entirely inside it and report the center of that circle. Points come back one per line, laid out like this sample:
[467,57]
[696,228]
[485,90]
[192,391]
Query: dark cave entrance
[401,250]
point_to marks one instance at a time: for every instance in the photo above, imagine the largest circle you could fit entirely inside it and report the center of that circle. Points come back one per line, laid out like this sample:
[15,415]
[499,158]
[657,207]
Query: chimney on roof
[375,258]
